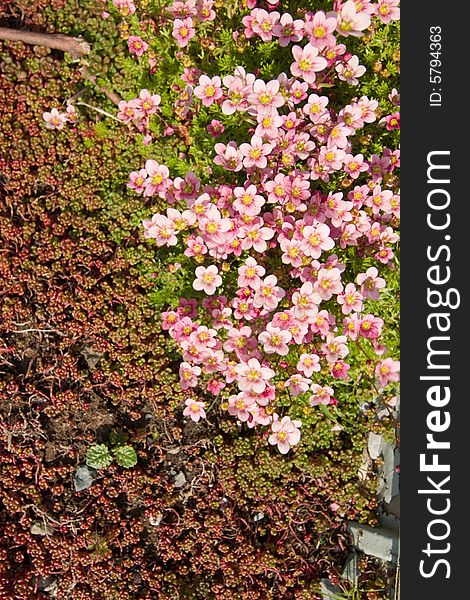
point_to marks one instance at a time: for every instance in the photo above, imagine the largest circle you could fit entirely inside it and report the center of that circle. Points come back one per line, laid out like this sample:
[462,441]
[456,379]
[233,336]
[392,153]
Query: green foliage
[98,456]
[125,456]
[101,456]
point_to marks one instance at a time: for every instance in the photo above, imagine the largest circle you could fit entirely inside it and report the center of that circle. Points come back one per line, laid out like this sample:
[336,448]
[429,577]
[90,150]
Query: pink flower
[288,30]
[268,294]
[292,252]
[370,327]
[207,279]
[394,97]
[275,340]
[195,247]
[194,409]
[320,29]
[183,31]
[350,299]
[321,395]
[335,347]
[169,320]
[368,108]
[147,102]
[370,283]
[308,364]
[350,21]
[305,301]
[354,165]
[317,239]
[205,11]
[307,63]
[128,111]
[208,90]
[249,274]
[252,377]
[237,95]
[340,370]
[328,283]
[350,71]
[392,121]
[387,370]
[297,384]
[158,178]
[229,156]
[285,433]
[71,114]
[266,95]
[136,45]
[241,406]
[256,236]
[137,181]
[215,128]
[162,229]
[315,107]
[188,375]
[298,92]
[54,119]
[247,201]
[388,10]
[263,23]
[268,123]
[215,386]
[125,7]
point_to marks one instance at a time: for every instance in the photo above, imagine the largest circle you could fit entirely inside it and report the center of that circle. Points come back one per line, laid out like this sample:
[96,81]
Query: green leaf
[98,457]
[126,456]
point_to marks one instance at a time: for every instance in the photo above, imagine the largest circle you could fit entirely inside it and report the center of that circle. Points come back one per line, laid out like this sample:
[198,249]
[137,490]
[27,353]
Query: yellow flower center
[265,98]
[314,239]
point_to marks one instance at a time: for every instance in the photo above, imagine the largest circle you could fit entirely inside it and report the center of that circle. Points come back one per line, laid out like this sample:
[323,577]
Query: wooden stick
[77,47]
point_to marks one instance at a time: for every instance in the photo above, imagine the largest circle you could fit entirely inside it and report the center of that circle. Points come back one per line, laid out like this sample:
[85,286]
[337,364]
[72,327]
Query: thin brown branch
[76,46]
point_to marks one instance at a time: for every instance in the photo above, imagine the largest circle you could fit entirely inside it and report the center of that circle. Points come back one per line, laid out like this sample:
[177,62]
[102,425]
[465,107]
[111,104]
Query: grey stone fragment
[41,528]
[258,517]
[374,445]
[379,542]
[351,570]
[84,477]
[92,358]
[388,473]
[389,521]
[180,480]
[47,584]
[329,591]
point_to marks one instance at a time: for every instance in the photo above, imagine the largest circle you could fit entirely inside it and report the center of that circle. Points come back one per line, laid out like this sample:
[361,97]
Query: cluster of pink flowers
[56,120]
[186,15]
[349,18]
[138,111]
[277,310]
